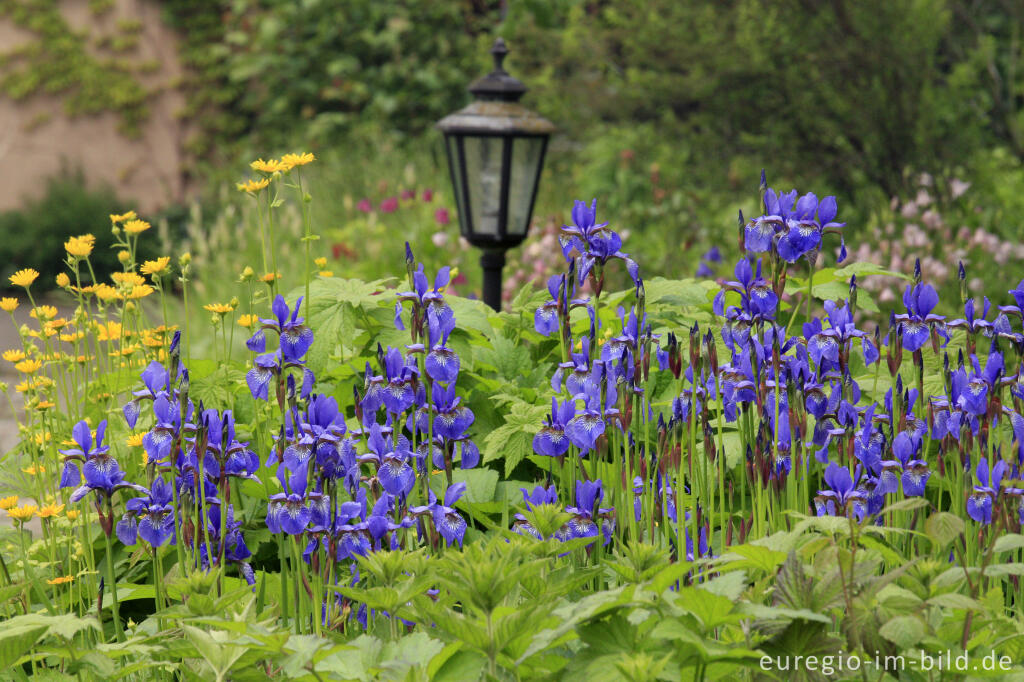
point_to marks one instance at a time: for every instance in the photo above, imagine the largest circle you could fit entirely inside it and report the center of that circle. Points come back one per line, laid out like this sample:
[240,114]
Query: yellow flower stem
[231,341]
[263,236]
[307,238]
[273,248]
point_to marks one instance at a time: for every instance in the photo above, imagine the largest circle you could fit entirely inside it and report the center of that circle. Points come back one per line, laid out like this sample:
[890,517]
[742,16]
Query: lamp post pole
[492,261]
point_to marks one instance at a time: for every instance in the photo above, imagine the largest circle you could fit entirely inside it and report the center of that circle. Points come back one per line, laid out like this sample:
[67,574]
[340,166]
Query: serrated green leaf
[942,528]
[903,631]
[16,641]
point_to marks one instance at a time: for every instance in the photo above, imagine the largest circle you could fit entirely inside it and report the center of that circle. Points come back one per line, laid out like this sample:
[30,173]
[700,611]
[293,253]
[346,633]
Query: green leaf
[756,557]
[710,609]
[904,631]
[215,648]
[942,528]
[862,269]
[763,612]
[17,640]
[480,484]
[337,309]
[513,440]
[471,314]
[1009,542]
[954,600]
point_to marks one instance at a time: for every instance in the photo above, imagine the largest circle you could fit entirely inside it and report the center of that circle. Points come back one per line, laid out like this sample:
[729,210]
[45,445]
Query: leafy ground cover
[334,478]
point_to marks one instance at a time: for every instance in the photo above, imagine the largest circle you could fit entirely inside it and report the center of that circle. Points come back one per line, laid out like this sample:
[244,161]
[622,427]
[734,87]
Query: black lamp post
[495,152]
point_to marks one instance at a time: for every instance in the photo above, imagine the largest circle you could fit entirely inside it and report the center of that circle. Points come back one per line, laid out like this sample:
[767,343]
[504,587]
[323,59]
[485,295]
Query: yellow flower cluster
[157,267]
[247,321]
[50,510]
[23,513]
[24,278]
[219,308]
[80,247]
[269,167]
[136,226]
[253,186]
[8,304]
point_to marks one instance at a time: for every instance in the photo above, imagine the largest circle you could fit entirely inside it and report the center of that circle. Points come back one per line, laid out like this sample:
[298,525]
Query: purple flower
[918,322]
[551,440]
[151,517]
[979,504]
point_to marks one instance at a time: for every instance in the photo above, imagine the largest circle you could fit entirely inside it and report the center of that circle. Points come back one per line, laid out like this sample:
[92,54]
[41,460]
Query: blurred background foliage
[667,112]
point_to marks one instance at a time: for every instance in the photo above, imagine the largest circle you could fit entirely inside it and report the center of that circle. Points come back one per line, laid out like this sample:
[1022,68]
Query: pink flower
[389,205]
[364,205]
[442,217]
[408,194]
[428,195]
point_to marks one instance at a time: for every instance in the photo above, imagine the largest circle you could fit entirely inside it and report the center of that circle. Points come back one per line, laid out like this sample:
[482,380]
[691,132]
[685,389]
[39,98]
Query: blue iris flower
[841,498]
[918,322]
[150,517]
[981,501]
[552,440]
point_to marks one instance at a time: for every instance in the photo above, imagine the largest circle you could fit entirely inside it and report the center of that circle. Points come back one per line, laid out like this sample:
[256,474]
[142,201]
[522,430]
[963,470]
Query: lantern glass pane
[483,175]
[526,160]
[457,176]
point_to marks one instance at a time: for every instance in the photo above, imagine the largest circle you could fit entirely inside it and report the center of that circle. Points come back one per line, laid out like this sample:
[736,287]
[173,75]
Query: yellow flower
[22,513]
[246,274]
[326,273]
[292,160]
[63,281]
[123,256]
[134,440]
[8,502]
[28,366]
[24,278]
[271,166]
[125,350]
[8,305]
[108,331]
[13,355]
[72,514]
[72,337]
[152,342]
[79,247]
[270,277]
[247,321]
[219,308]
[61,580]
[44,405]
[130,215]
[128,279]
[46,312]
[33,470]
[252,186]
[156,267]
[136,226]
[105,292]
[56,325]
[321,262]
[52,509]
[140,291]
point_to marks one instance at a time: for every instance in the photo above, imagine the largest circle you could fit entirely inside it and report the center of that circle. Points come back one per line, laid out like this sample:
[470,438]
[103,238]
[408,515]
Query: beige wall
[145,171]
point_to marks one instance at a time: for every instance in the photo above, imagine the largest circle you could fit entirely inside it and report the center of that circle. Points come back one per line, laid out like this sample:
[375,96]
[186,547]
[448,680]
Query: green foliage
[34,236]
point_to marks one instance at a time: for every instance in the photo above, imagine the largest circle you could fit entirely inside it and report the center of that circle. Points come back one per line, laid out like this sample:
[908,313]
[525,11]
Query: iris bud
[962,276]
